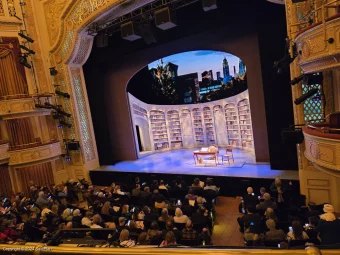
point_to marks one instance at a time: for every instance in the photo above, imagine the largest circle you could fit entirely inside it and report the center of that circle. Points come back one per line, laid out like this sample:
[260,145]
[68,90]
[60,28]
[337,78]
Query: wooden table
[205,153]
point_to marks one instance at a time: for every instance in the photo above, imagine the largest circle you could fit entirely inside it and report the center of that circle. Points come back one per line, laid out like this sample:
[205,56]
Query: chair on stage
[229,155]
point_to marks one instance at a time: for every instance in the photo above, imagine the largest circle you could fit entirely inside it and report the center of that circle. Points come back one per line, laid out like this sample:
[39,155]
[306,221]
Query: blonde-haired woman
[179,217]
[106,208]
[67,214]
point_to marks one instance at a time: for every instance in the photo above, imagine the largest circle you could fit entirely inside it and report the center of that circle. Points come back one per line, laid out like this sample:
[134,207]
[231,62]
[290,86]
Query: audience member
[190,195]
[124,240]
[273,233]
[86,221]
[262,192]
[251,216]
[188,233]
[170,227]
[209,185]
[165,216]
[67,215]
[143,239]
[154,232]
[169,239]
[96,221]
[311,227]
[270,214]
[42,202]
[297,232]
[250,199]
[136,192]
[162,185]
[267,203]
[179,217]
[328,226]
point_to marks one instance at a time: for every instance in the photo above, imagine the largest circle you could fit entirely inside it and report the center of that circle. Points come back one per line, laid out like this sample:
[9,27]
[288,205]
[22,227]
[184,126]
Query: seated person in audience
[76,219]
[67,215]
[114,234]
[154,185]
[126,212]
[250,234]
[157,197]
[143,239]
[262,192]
[124,240]
[165,216]
[251,216]
[97,221]
[86,221]
[42,201]
[136,192]
[190,195]
[200,217]
[197,184]
[133,227]
[148,216]
[269,214]
[328,226]
[121,224]
[33,220]
[146,196]
[187,209]
[179,217]
[277,190]
[169,227]
[118,191]
[250,199]
[162,185]
[266,203]
[273,233]
[200,201]
[188,233]
[311,227]
[107,209]
[154,231]
[169,239]
[297,232]
[285,246]
[209,185]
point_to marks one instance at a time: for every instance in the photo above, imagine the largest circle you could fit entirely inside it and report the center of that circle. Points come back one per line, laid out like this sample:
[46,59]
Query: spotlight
[284,62]
[23,61]
[67,95]
[65,124]
[21,34]
[27,49]
[50,106]
[305,96]
[60,126]
[68,159]
[63,113]
[297,80]
[53,71]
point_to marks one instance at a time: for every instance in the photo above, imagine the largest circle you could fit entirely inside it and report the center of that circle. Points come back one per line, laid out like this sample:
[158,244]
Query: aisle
[226,231]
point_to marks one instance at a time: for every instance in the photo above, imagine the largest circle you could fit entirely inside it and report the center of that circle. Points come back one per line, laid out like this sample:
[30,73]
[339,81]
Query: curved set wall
[225,122]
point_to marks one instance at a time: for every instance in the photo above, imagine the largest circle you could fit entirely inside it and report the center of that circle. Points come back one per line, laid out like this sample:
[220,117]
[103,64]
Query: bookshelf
[209,125]
[233,129]
[246,131]
[174,126]
[159,130]
[198,126]
[139,111]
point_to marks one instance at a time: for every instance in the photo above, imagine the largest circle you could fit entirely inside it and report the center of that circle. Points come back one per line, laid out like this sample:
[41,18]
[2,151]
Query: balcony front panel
[35,154]
[318,47]
[4,156]
[323,152]
[20,108]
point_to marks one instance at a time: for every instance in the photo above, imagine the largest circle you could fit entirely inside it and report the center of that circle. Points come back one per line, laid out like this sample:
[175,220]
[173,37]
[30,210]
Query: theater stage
[182,162]
[233,179]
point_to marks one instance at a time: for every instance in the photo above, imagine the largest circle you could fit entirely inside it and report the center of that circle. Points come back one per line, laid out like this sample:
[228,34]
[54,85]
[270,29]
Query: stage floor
[182,162]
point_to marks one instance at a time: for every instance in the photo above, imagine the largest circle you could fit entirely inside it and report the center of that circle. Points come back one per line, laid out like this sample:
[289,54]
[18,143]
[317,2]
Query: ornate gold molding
[4,156]
[35,154]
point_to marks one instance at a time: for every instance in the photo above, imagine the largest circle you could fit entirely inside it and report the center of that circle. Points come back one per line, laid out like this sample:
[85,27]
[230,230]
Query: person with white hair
[250,200]
[42,202]
[267,203]
[180,217]
[76,219]
[328,226]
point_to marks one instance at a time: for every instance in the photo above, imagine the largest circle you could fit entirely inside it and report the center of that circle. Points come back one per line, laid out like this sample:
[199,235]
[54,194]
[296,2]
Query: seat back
[229,150]
[179,226]
[295,243]
[272,243]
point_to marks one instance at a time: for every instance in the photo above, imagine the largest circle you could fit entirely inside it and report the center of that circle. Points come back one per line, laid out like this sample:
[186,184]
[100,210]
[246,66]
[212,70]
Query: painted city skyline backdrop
[200,61]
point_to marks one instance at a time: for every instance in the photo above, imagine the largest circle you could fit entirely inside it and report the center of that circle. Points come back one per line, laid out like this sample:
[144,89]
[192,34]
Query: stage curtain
[11,81]
[40,174]
[20,131]
[5,181]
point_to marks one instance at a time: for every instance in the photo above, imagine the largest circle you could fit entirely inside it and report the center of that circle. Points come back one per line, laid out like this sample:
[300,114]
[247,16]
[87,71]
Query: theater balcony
[323,147]
[318,44]
[22,106]
[4,156]
[34,152]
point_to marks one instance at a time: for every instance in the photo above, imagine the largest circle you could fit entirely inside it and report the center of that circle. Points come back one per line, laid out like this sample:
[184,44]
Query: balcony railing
[21,96]
[31,145]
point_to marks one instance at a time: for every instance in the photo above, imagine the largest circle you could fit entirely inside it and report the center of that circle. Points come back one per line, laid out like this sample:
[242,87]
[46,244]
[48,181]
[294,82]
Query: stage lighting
[305,96]
[50,106]
[65,124]
[21,34]
[62,94]
[27,49]
[61,112]
[297,80]
[60,126]
[23,61]
[53,71]
[68,159]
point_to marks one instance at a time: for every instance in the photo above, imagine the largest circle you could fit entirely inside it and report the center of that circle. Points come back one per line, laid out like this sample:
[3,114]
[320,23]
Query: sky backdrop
[200,61]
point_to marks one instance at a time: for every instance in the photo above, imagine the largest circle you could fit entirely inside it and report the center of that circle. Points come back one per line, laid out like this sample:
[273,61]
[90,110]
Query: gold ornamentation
[305,50]
[58,58]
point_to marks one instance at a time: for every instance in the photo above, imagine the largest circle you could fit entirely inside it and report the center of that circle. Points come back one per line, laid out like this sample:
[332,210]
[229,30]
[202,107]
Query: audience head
[266,196]
[101,195]
[147,189]
[96,219]
[76,212]
[154,225]
[196,182]
[278,182]
[190,191]
[142,238]
[312,250]
[250,190]
[137,179]
[146,210]
[251,209]
[311,206]
[88,214]
[165,214]
[161,182]
[124,235]
[199,200]
[111,225]
[91,187]
[132,224]
[208,182]
[327,208]
[270,214]
[137,186]
[262,190]
[121,221]
[125,209]
[41,194]
[168,225]
[313,221]
[188,225]
[68,225]
[55,209]
[297,230]
[155,191]
[170,237]
[66,213]
[270,224]
[178,212]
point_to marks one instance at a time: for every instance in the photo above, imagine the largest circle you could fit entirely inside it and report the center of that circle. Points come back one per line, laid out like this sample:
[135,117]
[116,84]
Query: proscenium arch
[73,47]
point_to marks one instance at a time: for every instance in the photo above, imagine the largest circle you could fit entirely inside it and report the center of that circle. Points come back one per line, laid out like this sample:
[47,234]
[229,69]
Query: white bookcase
[174,126]
[159,130]
[209,125]
[198,126]
[233,129]
[246,131]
